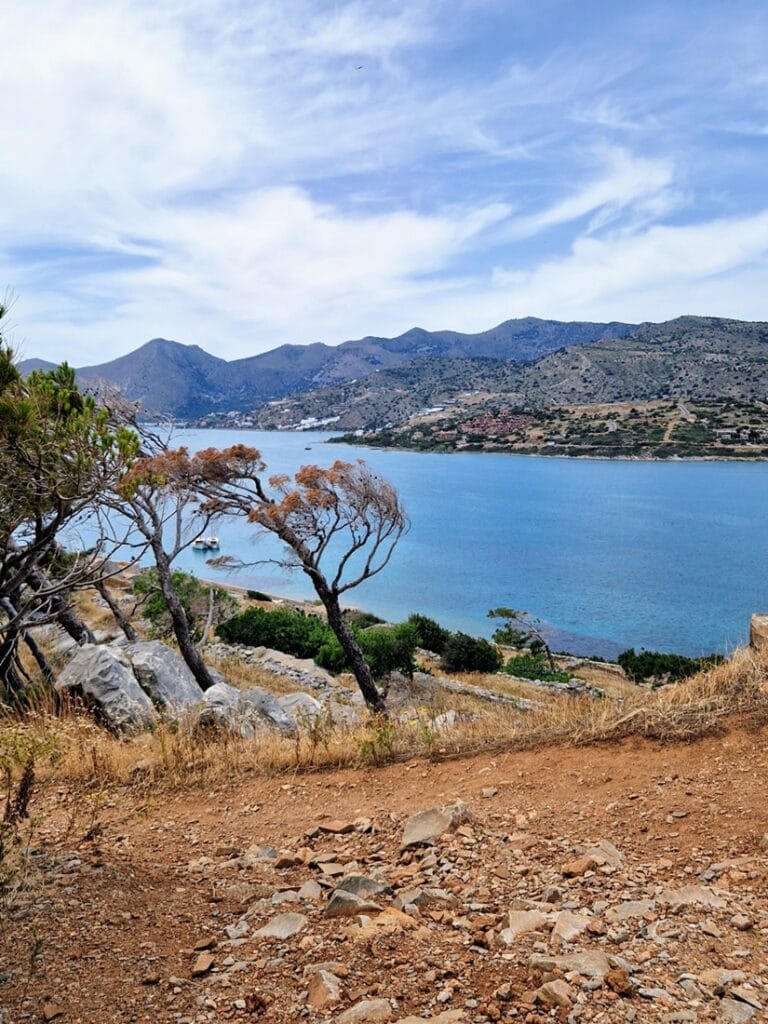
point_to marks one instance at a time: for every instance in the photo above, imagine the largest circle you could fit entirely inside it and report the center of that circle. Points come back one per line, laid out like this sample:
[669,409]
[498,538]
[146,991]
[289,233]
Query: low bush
[284,629]
[463,653]
[258,595]
[656,666]
[430,634]
[529,666]
[385,648]
[361,620]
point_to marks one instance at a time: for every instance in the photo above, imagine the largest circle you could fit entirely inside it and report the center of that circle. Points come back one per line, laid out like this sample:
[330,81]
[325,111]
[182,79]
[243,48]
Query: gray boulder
[164,676]
[260,704]
[107,685]
[245,712]
[221,707]
[300,707]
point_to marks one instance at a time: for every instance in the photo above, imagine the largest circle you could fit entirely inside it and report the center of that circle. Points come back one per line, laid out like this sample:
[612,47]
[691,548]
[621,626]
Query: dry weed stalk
[69,747]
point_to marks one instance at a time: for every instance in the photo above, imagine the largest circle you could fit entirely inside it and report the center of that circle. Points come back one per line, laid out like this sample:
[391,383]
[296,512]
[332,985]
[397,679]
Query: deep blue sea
[667,556]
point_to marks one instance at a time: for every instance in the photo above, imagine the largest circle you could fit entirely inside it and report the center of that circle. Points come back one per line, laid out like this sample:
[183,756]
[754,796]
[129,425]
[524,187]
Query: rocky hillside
[699,358]
[183,380]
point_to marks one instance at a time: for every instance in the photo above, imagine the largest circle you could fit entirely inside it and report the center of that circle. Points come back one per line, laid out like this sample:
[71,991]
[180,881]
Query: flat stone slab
[369,1011]
[590,964]
[284,926]
[521,922]
[425,827]
[629,911]
[692,896]
[347,904]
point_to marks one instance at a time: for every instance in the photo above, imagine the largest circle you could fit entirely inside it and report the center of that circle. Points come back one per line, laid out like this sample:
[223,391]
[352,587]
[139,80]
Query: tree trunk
[117,612]
[72,623]
[350,646]
[181,630]
[64,615]
[40,658]
[12,678]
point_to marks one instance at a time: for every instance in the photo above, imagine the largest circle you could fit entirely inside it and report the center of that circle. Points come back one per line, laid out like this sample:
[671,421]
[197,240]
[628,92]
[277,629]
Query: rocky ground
[621,883]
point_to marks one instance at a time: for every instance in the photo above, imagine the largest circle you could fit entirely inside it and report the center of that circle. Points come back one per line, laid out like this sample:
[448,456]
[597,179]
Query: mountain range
[185,381]
[375,381]
[689,357]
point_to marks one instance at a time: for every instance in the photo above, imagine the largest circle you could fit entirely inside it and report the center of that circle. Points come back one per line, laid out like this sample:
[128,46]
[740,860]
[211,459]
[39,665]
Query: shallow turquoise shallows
[667,556]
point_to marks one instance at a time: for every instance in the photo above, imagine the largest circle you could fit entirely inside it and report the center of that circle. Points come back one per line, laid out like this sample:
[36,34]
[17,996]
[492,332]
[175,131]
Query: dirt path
[116,916]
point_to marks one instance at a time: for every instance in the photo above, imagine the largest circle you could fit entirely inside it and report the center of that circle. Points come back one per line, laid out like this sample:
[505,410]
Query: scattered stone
[258,855]
[324,989]
[446,1017]
[720,978]
[424,828]
[568,926]
[202,965]
[488,792]
[51,1011]
[619,981]
[311,890]
[590,963]
[164,676]
[347,904]
[369,1011]
[734,1012]
[746,995]
[693,895]
[605,853]
[629,911]
[521,922]
[741,922]
[336,828]
[362,885]
[556,993]
[578,867]
[283,926]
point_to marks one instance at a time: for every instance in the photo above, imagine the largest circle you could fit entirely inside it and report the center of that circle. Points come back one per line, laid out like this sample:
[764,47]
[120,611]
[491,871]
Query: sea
[668,556]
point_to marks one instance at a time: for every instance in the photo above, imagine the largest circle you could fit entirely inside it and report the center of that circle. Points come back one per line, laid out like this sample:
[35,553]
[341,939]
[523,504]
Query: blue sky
[238,175]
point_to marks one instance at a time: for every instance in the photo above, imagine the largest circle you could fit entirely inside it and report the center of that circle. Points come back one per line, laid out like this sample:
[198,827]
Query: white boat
[206,544]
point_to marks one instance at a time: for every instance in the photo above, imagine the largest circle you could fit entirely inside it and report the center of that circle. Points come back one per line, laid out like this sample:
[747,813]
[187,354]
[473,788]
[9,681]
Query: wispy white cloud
[242,174]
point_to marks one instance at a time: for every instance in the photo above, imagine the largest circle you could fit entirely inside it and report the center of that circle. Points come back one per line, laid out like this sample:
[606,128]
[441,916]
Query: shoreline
[542,454]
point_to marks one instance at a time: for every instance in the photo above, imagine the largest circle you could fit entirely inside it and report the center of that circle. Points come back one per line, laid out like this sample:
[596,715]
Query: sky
[242,174]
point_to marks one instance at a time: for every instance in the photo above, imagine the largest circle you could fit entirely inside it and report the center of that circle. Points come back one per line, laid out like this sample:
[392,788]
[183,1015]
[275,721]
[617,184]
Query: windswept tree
[521,629]
[59,453]
[339,526]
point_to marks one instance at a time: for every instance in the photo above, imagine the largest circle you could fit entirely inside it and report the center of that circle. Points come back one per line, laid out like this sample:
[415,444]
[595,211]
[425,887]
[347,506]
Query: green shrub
[361,620]
[430,634]
[258,595]
[284,629]
[331,657]
[385,648]
[194,596]
[463,653]
[534,666]
[659,667]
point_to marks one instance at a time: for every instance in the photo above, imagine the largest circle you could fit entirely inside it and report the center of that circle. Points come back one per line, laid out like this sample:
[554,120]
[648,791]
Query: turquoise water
[668,556]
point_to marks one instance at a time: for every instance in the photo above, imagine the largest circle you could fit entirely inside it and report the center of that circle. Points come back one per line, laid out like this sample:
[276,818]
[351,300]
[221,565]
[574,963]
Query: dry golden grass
[68,747]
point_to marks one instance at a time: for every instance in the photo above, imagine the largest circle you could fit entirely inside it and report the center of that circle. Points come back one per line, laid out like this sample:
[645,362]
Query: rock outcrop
[103,679]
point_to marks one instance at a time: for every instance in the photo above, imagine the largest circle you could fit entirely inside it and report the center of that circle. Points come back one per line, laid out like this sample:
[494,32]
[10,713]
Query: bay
[611,554]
